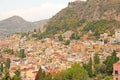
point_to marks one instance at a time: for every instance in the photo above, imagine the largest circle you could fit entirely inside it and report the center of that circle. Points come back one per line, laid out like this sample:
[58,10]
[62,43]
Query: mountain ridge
[15,24]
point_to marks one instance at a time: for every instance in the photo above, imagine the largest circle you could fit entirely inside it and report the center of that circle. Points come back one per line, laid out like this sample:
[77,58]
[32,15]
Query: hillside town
[52,55]
[80,42]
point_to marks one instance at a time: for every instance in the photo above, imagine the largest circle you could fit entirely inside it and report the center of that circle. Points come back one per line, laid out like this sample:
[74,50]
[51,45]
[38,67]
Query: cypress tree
[1,68]
[88,67]
[7,63]
[39,75]
[22,53]
[96,59]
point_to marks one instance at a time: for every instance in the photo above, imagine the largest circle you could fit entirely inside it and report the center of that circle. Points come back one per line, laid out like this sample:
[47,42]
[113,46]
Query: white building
[117,35]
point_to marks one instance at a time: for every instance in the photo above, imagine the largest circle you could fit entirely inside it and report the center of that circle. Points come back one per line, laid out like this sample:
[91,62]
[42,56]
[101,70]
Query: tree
[59,76]
[17,75]
[7,76]
[48,77]
[96,59]
[88,67]
[7,63]
[67,42]
[100,69]
[109,61]
[22,53]
[105,41]
[76,72]
[8,51]
[75,36]
[1,68]
[40,75]
[72,36]
[60,38]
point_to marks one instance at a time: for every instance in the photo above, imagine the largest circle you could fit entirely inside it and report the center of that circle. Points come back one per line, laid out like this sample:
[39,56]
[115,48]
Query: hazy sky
[31,10]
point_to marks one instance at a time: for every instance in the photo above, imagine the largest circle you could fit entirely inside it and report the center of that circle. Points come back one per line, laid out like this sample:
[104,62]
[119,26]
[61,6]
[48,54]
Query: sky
[31,10]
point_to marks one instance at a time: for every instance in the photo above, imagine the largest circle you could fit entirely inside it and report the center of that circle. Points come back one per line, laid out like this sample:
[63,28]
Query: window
[116,72]
[116,78]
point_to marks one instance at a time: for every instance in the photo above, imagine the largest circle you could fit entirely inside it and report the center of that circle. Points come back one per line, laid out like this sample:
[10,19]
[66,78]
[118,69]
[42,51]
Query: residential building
[117,35]
[116,71]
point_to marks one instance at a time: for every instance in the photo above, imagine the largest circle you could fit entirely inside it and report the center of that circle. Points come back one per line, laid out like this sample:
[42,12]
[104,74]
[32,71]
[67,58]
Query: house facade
[117,35]
[116,71]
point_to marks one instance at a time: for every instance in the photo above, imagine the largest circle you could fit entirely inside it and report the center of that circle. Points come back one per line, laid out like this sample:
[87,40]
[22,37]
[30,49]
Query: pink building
[116,71]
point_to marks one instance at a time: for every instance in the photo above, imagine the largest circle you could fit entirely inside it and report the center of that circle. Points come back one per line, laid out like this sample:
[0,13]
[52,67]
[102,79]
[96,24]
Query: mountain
[79,13]
[17,24]
[91,9]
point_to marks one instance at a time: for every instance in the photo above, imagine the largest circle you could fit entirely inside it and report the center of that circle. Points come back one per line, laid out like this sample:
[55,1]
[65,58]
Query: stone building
[117,35]
[116,71]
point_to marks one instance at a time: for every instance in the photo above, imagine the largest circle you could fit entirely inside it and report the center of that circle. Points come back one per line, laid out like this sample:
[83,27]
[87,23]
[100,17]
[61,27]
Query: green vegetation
[72,24]
[26,35]
[76,72]
[60,38]
[42,76]
[89,68]
[75,36]
[77,14]
[96,59]
[101,26]
[21,53]
[67,42]
[7,63]
[99,70]
[17,75]
[4,70]
[58,27]
[1,68]
[8,51]
[110,60]
[97,27]
[71,18]
[8,77]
